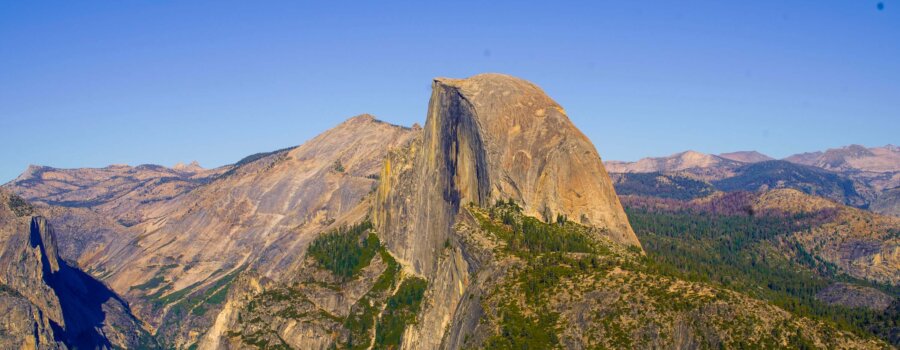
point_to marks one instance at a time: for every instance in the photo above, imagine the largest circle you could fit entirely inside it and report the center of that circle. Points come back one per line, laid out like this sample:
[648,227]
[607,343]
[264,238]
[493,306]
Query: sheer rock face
[48,304]
[26,262]
[492,137]
[535,155]
[489,137]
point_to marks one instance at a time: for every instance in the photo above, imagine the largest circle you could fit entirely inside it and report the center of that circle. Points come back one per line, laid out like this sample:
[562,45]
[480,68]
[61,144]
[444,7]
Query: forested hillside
[751,253]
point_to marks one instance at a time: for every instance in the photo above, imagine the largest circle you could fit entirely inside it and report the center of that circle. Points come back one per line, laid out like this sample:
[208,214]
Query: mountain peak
[677,162]
[746,156]
[692,154]
[42,237]
[852,158]
[480,79]
[493,137]
[192,167]
[31,172]
[852,150]
[364,120]
[361,118]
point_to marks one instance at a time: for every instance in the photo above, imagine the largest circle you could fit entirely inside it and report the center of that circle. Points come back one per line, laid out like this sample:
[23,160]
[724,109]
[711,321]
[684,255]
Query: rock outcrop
[492,137]
[487,138]
[49,304]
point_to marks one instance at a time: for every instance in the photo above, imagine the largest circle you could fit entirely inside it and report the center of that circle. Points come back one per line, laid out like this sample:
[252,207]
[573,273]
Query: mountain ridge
[872,172]
[495,225]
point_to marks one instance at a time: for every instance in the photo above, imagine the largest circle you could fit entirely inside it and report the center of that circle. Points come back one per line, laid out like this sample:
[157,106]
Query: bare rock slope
[119,191]
[259,216]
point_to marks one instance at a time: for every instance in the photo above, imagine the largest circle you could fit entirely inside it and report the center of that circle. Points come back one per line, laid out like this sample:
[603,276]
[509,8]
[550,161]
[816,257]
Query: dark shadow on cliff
[81,298]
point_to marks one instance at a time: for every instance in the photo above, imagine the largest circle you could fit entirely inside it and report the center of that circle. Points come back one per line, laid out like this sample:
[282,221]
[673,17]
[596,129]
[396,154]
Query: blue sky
[86,84]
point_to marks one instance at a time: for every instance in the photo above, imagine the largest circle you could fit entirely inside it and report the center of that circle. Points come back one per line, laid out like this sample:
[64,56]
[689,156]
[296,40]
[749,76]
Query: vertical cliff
[486,138]
[49,304]
[45,303]
[492,137]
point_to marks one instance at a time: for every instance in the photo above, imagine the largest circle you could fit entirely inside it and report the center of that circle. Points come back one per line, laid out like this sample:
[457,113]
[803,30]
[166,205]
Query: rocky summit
[488,138]
[494,226]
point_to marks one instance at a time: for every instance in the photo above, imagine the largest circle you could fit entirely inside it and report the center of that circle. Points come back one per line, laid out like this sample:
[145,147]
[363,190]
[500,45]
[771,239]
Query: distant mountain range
[746,156]
[853,158]
[493,226]
[855,175]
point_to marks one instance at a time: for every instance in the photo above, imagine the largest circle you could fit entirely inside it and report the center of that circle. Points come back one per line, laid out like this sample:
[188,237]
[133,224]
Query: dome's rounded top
[495,85]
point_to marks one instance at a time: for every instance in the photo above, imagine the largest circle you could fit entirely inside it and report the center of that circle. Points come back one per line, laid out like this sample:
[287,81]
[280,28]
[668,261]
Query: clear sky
[86,84]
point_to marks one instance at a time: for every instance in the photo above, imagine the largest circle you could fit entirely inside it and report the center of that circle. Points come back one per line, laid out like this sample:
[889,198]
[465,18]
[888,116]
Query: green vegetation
[361,320]
[187,301]
[639,294]
[19,206]
[282,302]
[254,157]
[662,186]
[377,319]
[7,290]
[400,311]
[190,301]
[527,234]
[150,284]
[547,250]
[521,332]
[344,252]
[262,339]
[157,279]
[338,166]
[738,252]
[780,173]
